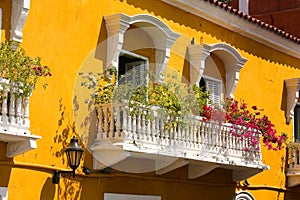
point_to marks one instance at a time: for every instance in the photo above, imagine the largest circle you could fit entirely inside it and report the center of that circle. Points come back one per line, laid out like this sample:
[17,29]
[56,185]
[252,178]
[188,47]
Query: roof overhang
[232,22]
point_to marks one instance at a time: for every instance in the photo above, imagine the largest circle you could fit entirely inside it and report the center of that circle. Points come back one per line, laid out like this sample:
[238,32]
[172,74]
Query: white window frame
[163,38]
[144,59]
[232,59]
[115,196]
[220,85]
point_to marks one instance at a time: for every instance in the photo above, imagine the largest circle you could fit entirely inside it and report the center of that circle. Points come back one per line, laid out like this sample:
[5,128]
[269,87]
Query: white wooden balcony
[293,170]
[203,146]
[14,120]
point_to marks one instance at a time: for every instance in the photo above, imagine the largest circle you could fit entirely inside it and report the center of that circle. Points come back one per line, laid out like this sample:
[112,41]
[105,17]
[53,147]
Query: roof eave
[241,25]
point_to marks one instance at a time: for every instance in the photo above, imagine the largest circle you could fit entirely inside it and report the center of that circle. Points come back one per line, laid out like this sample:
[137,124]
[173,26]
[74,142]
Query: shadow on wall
[88,127]
[6,7]
[100,52]
[63,132]
[4,169]
[48,190]
[68,188]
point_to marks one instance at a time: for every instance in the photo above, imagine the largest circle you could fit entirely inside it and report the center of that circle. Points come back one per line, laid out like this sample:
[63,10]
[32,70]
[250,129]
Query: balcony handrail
[207,138]
[14,110]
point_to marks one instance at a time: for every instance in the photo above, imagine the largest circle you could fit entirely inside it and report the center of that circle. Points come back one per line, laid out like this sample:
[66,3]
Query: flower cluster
[246,124]
[41,70]
[21,69]
[176,100]
[250,124]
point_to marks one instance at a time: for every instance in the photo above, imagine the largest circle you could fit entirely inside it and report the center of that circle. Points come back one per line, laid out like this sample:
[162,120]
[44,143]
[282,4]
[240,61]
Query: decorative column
[20,9]
[292,87]
[116,26]
[162,53]
[232,77]
[197,56]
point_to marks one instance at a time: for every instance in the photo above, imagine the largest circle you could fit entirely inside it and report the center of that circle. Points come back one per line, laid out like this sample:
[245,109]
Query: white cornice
[232,22]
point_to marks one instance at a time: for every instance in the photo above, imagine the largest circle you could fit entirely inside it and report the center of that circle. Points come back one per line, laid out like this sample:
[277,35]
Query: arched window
[147,38]
[218,65]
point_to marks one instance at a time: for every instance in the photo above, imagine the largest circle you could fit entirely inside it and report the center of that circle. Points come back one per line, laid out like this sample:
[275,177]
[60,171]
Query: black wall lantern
[74,153]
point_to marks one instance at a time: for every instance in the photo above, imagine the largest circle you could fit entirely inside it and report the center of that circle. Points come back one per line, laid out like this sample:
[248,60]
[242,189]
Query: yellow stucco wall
[63,33]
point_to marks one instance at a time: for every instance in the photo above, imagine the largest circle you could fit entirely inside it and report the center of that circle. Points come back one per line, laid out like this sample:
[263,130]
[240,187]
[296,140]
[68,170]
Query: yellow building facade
[194,39]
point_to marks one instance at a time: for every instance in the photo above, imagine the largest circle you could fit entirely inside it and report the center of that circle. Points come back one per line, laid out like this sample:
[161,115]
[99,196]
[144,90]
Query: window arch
[162,38]
[204,57]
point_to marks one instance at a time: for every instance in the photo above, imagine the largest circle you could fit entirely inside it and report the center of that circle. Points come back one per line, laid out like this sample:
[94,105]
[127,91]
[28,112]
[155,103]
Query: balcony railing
[293,170]
[14,119]
[194,139]
[14,109]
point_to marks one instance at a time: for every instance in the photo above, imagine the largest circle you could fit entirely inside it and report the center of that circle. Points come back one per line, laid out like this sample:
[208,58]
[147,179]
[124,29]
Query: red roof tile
[255,21]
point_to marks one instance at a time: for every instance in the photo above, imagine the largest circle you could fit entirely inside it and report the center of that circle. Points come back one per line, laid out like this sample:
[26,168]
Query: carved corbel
[197,169]
[17,148]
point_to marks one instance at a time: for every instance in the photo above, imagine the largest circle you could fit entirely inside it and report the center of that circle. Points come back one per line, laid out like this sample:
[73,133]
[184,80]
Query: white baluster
[142,125]
[129,123]
[118,120]
[195,130]
[202,133]
[100,118]
[112,121]
[124,126]
[105,109]
[11,112]
[4,106]
[134,128]
[26,112]
[19,111]
[162,130]
[138,125]
[153,130]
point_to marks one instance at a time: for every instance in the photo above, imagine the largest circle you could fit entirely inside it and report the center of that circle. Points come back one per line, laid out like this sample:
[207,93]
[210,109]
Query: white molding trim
[232,59]
[230,21]
[292,94]
[163,38]
[243,195]
[3,193]
[116,196]
[20,9]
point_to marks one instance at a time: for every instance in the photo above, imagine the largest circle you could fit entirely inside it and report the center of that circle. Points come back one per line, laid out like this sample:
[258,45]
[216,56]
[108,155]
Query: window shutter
[297,123]
[214,89]
[135,72]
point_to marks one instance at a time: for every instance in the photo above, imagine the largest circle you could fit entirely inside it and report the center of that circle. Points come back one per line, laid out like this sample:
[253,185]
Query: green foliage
[202,98]
[20,69]
[172,99]
[103,85]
